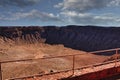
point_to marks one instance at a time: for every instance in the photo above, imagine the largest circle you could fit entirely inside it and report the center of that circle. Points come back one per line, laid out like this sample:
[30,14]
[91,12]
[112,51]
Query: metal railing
[73,63]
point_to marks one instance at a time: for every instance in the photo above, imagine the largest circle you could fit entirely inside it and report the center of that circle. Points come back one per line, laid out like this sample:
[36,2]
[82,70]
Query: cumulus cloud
[77,11]
[85,5]
[18,3]
[114,3]
[32,15]
[90,18]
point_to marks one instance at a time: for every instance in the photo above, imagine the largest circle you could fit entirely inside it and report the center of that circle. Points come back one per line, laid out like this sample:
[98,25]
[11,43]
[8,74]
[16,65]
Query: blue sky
[59,12]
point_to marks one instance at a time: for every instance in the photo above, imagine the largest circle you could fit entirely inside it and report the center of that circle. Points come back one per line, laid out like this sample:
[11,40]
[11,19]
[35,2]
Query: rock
[86,38]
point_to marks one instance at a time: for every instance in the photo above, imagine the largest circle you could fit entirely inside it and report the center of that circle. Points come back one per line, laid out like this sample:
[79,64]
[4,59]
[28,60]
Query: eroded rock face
[22,34]
[87,38]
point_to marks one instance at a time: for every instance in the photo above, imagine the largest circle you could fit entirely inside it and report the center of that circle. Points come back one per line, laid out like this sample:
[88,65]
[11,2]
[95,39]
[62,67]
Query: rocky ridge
[86,38]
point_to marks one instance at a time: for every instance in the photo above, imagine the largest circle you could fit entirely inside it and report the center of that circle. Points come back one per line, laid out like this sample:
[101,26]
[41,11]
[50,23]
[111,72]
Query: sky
[59,12]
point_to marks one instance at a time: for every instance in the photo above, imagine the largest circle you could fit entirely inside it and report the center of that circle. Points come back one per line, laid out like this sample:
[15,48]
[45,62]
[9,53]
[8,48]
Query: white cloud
[85,5]
[90,18]
[114,3]
[81,5]
[31,15]
[77,11]
[73,14]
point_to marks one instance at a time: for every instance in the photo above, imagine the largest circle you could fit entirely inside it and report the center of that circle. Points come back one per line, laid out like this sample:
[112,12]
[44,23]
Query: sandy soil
[34,51]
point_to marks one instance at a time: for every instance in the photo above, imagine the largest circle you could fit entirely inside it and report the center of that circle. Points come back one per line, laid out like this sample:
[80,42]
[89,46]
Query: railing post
[116,56]
[116,53]
[0,71]
[73,64]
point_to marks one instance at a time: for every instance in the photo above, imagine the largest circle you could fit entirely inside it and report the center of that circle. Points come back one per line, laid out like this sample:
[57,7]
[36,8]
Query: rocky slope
[87,38]
[41,66]
[28,42]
